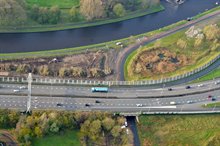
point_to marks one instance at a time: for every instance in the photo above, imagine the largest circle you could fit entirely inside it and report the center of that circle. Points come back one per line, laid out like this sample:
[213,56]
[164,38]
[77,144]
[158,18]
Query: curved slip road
[128,50]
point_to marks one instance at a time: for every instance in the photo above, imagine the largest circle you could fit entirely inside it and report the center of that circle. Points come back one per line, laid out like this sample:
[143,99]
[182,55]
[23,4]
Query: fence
[106,83]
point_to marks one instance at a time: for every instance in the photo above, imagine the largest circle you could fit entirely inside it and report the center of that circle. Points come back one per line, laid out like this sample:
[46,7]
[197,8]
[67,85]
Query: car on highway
[16,90]
[173,103]
[189,102]
[87,104]
[139,105]
[22,87]
[217,82]
[59,104]
[97,101]
[200,85]
[213,98]
[210,96]
[188,87]
[170,89]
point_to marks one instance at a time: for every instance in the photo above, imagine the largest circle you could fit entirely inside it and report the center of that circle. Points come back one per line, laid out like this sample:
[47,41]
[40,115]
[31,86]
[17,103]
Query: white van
[173,103]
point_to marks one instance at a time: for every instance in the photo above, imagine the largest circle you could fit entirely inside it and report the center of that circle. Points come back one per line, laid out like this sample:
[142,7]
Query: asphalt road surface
[114,92]
[116,105]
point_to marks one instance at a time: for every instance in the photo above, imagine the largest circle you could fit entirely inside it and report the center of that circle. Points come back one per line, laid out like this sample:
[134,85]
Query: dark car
[213,98]
[188,87]
[59,104]
[210,96]
[87,104]
[97,101]
[189,18]
[170,89]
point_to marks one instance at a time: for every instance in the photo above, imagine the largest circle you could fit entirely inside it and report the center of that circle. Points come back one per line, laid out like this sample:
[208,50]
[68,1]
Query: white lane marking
[157,107]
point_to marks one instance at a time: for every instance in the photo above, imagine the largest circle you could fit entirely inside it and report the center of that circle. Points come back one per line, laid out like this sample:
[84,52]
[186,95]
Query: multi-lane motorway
[116,105]
[114,92]
[191,102]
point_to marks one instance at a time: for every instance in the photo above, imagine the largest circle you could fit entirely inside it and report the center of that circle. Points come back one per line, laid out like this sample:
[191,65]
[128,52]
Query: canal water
[27,42]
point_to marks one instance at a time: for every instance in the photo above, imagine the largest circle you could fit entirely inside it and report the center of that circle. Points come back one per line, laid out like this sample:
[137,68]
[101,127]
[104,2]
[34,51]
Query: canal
[28,42]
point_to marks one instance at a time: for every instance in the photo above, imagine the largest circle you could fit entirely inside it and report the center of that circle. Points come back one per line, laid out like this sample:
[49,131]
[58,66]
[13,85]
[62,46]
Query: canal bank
[29,42]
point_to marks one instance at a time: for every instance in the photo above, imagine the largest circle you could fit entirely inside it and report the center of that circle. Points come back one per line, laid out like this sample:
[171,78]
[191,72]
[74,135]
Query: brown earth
[91,63]
[158,61]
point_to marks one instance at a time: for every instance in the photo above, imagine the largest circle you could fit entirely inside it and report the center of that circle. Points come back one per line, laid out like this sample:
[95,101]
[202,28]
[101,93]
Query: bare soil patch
[93,65]
[158,61]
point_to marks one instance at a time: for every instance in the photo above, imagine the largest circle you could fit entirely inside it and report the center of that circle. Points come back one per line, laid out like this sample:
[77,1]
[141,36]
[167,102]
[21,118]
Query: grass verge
[164,130]
[69,138]
[44,28]
[105,45]
[211,105]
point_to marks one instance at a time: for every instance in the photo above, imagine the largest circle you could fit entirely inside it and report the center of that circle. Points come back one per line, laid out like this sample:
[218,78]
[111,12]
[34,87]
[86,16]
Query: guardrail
[167,113]
[105,83]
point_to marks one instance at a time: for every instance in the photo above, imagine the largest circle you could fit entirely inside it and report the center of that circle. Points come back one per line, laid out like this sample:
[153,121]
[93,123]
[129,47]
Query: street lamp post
[29,93]
[161,93]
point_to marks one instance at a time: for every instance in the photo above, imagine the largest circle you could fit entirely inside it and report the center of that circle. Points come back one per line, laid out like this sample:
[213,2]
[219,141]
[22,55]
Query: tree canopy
[12,12]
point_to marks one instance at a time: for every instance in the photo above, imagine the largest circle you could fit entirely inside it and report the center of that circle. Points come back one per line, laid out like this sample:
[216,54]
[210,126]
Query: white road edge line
[170,107]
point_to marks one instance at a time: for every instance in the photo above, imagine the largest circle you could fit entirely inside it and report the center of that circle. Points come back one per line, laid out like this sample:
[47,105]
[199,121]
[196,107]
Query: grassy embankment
[105,45]
[181,130]
[201,56]
[95,47]
[69,138]
[65,7]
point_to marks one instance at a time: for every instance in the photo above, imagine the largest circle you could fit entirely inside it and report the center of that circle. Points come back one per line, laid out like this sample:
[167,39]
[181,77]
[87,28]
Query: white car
[200,85]
[16,91]
[22,87]
[118,43]
[139,105]
[217,82]
[189,101]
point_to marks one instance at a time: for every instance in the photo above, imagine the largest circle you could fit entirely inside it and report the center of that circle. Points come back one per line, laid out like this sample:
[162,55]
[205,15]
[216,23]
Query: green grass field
[176,130]
[63,4]
[65,23]
[69,138]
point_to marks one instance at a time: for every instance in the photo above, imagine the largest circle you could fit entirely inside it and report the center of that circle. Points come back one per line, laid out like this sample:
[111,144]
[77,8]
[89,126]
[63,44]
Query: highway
[114,92]
[116,105]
